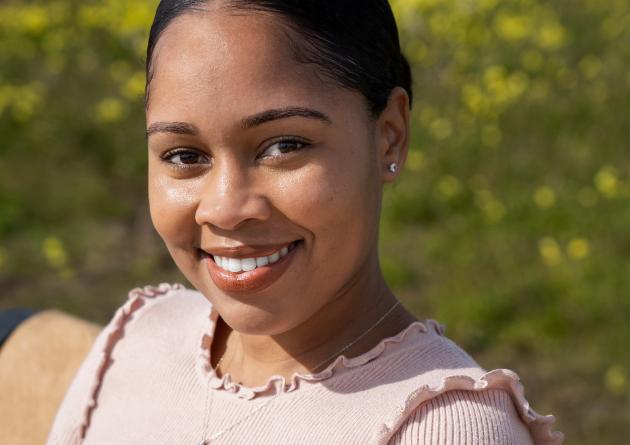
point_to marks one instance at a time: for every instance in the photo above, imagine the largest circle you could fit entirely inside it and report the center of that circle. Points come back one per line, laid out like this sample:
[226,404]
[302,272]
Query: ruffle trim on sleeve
[116,329]
[277,383]
[540,427]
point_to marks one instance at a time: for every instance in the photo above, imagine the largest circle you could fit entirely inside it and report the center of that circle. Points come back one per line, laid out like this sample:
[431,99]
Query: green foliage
[508,223]
[74,227]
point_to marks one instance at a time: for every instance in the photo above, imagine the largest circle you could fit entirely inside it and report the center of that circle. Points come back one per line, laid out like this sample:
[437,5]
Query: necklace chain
[358,338]
[217,434]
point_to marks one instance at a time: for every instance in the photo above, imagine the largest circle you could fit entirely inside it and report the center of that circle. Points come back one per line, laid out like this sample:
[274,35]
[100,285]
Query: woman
[272,128]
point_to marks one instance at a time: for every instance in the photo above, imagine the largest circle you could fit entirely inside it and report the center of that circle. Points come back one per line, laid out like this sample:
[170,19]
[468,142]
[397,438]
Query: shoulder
[149,302]
[148,321]
[152,320]
[152,313]
[466,410]
[442,396]
[460,417]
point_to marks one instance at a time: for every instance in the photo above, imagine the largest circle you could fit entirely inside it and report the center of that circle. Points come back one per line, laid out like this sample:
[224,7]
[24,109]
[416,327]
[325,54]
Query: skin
[212,70]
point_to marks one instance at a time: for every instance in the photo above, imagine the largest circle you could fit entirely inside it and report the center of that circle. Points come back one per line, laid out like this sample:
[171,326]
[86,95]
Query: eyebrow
[172,127]
[283,113]
[246,123]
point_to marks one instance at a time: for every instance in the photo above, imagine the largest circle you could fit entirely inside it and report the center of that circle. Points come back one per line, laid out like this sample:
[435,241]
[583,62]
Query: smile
[252,273]
[237,265]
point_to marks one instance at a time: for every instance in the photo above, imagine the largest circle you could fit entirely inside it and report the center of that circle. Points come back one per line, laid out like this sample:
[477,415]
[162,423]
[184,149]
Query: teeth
[236,265]
[262,261]
[248,264]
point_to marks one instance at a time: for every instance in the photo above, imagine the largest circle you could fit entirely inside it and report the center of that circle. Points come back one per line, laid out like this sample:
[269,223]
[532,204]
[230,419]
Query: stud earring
[393,167]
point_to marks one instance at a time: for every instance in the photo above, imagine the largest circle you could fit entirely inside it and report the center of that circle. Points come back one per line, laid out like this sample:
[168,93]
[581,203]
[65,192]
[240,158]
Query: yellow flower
[427,115]
[109,110]
[590,66]
[424,4]
[474,98]
[512,27]
[487,5]
[550,251]
[551,36]
[616,380]
[611,27]
[448,187]
[441,128]
[415,160]
[34,18]
[416,50]
[493,209]
[134,88]
[544,197]
[578,248]
[54,252]
[136,15]
[25,100]
[607,182]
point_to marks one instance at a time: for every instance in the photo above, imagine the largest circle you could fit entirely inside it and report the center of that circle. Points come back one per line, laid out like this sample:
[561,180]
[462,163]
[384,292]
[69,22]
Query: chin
[252,320]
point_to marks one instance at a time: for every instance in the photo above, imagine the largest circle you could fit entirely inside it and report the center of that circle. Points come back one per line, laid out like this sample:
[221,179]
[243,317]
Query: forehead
[236,63]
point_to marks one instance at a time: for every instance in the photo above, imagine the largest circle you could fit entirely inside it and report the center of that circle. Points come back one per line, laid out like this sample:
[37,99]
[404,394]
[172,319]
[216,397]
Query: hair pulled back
[353,42]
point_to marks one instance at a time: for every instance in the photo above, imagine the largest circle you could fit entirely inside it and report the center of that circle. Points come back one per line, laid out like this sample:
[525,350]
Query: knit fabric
[148,379]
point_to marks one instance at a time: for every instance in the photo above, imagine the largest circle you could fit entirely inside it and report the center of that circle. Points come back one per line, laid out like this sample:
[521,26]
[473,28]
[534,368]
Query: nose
[229,198]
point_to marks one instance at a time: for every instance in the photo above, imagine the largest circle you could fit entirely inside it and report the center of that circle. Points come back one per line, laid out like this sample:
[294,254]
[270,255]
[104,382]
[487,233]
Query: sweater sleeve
[81,399]
[462,417]
[66,427]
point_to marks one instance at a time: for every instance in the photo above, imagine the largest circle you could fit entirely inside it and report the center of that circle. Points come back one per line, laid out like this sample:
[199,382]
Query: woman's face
[251,152]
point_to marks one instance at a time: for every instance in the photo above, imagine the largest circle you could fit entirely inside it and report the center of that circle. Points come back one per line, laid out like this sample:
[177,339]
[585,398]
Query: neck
[356,309]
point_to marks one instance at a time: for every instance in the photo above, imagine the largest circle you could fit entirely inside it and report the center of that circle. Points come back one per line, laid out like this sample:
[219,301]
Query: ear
[392,134]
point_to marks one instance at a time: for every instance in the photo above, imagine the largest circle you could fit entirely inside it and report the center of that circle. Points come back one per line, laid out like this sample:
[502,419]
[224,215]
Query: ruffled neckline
[539,426]
[277,383]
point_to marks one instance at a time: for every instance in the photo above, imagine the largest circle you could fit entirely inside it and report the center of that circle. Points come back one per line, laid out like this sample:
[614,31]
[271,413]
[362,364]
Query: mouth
[239,265]
[252,274]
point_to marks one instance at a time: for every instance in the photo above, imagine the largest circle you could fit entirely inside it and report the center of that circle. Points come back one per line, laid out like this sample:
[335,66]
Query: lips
[237,265]
[244,270]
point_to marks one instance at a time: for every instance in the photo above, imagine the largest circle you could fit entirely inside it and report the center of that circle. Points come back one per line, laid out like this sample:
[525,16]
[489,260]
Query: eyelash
[168,156]
[301,143]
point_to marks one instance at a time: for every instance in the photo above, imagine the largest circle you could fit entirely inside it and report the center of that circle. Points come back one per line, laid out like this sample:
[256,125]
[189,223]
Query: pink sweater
[145,381]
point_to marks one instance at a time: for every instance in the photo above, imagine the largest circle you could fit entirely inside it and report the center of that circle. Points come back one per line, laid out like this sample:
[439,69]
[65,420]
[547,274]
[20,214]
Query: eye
[282,147]
[182,157]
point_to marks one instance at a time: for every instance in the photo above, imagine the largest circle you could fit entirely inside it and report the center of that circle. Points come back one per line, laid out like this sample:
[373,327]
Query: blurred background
[510,223]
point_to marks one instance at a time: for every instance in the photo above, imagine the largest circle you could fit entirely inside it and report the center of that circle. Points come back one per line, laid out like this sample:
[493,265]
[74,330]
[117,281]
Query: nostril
[232,207]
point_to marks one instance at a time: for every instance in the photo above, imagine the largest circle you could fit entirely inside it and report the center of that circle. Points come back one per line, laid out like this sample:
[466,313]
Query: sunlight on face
[250,151]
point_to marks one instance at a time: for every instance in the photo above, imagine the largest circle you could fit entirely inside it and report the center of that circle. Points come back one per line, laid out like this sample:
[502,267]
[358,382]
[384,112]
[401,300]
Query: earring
[393,167]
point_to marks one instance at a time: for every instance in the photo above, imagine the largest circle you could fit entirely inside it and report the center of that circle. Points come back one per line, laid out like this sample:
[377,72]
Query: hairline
[298,45]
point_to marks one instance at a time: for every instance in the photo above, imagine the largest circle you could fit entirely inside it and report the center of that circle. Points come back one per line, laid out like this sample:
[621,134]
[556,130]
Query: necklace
[208,439]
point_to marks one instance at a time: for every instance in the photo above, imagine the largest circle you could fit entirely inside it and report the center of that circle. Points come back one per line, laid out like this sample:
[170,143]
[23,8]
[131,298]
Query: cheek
[331,199]
[172,204]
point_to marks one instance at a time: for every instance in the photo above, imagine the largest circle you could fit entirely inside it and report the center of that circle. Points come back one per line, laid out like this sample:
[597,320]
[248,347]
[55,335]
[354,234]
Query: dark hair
[353,42]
